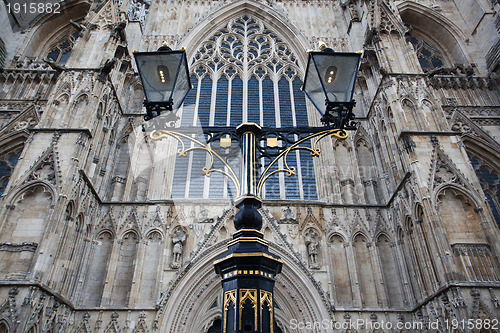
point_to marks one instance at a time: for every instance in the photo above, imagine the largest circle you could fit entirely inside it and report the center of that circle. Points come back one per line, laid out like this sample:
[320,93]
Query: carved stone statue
[312,249]
[179,240]
[138,10]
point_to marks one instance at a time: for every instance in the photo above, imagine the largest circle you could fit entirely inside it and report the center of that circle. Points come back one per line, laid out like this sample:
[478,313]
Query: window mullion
[261,118]
[190,161]
[229,89]
[277,114]
[297,152]
[211,121]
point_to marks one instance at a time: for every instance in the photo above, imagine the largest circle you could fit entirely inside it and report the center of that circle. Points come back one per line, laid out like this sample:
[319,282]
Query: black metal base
[248,216]
[339,115]
[248,270]
[154,109]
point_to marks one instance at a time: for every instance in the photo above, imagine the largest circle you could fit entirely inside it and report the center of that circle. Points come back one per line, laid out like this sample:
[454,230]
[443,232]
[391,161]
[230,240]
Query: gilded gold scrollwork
[183,152]
[314,151]
[290,171]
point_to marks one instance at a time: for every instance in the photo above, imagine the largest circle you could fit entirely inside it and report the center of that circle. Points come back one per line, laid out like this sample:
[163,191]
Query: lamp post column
[248,217]
[248,268]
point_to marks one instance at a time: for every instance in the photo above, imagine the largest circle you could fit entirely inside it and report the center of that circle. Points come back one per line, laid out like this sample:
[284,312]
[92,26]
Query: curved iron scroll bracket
[314,151]
[183,152]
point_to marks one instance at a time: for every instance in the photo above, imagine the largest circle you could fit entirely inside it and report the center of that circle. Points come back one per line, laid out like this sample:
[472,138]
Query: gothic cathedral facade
[103,229]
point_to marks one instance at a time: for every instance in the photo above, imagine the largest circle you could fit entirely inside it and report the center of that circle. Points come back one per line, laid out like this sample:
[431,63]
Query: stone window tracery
[244,72]
[490,182]
[61,50]
[7,165]
[429,57]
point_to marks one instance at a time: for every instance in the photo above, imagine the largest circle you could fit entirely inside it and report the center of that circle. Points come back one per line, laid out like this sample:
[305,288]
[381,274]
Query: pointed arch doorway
[192,304]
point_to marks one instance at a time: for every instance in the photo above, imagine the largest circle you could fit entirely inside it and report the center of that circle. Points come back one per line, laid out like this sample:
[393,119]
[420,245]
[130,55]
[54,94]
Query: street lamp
[165,80]
[247,268]
[329,84]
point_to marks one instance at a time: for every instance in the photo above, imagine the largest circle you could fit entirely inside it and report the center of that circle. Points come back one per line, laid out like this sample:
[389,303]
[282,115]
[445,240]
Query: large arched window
[437,40]
[53,36]
[244,72]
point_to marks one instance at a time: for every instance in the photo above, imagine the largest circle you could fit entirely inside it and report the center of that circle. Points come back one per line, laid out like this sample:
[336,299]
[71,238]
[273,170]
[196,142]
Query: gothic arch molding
[5,325]
[477,147]
[43,31]
[155,231]
[383,233]
[333,234]
[472,196]
[267,14]
[128,232]
[13,197]
[430,23]
[183,308]
[15,132]
[102,232]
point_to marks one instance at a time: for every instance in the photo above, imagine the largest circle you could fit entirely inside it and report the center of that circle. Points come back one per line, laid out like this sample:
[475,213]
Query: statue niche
[312,242]
[178,240]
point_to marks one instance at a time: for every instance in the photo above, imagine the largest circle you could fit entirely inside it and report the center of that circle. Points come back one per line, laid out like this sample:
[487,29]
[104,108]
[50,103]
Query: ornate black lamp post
[248,268]
[329,84]
[165,79]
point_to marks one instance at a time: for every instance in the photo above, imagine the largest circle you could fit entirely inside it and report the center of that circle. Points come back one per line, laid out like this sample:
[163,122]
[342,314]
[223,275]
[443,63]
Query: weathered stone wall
[402,228]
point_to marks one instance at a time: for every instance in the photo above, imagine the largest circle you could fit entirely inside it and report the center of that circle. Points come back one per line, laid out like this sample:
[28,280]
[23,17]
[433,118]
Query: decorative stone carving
[138,10]
[12,247]
[204,216]
[494,299]
[288,217]
[312,242]
[113,325]
[178,240]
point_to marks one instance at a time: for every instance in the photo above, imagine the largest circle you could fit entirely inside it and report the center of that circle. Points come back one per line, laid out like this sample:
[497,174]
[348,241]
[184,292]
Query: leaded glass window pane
[428,57]
[490,182]
[6,167]
[244,72]
[61,51]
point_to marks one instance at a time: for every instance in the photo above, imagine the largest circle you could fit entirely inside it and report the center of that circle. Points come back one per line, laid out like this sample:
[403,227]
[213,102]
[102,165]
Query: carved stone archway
[188,305]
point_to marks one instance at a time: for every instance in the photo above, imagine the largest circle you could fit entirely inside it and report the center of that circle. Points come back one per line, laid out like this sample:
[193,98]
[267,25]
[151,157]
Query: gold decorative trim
[266,297]
[248,240]
[247,272]
[237,255]
[249,124]
[314,151]
[248,294]
[183,152]
[251,230]
[229,296]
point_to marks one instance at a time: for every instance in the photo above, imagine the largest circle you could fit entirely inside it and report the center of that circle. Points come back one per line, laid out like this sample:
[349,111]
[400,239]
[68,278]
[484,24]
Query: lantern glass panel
[182,85]
[313,87]
[164,76]
[330,77]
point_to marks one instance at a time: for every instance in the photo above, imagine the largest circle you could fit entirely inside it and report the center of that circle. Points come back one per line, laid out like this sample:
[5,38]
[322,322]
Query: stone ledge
[15,247]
